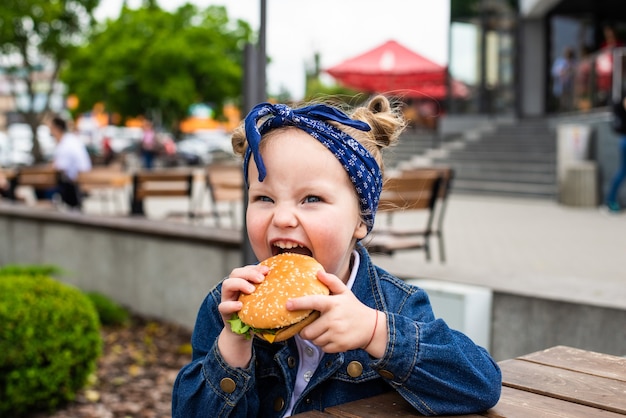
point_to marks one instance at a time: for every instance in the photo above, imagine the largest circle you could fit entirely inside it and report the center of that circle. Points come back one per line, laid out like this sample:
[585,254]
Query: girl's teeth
[286,245]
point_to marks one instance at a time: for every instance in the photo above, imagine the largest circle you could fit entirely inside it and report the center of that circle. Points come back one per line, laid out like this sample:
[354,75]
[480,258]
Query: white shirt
[71,157]
[310,354]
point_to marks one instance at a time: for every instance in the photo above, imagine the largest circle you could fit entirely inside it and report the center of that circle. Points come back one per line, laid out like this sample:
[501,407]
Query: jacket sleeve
[440,371]
[208,386]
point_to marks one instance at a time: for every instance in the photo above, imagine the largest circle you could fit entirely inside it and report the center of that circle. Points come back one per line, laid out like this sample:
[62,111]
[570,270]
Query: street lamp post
[254,92]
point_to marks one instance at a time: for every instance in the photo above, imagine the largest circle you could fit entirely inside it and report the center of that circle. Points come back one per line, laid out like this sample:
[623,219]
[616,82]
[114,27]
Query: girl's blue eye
[262,199]
[312,199]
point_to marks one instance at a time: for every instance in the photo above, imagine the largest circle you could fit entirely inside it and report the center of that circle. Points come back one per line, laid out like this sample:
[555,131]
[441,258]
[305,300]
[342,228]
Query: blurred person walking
[562,79]
[611,39]
[149,145]
[71,158]
[619,126]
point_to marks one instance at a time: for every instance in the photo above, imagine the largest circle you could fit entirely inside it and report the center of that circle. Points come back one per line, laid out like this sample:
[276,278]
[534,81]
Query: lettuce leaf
[239,327]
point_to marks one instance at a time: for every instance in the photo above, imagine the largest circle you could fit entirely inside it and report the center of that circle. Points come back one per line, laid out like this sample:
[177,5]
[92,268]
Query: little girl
[314,177]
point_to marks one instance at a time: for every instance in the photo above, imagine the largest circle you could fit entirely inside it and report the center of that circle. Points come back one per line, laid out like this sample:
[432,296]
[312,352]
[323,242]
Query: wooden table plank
[312,414]
[387,405]
[584,361]
[594,391]
[518,403]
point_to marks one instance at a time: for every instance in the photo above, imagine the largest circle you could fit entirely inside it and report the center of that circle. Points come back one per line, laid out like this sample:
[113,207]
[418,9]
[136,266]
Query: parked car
[17,143]
[10,157]
[204,147]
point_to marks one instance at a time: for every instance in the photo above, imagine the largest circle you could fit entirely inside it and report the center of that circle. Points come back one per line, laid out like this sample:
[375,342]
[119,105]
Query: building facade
[506,51]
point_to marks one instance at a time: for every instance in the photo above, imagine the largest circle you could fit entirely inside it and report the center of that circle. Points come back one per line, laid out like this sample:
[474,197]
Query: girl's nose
[285,216]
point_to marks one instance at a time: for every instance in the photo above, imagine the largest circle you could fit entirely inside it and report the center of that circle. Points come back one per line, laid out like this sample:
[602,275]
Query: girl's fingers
[334,284]
[229,307]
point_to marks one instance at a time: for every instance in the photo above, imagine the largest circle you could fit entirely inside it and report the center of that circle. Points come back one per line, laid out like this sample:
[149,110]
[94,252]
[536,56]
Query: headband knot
[360,165]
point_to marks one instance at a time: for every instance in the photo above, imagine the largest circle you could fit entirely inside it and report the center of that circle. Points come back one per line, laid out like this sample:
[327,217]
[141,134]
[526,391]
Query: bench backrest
[37,177]
[419,191]
[162,183]
[225,182]
[446,173]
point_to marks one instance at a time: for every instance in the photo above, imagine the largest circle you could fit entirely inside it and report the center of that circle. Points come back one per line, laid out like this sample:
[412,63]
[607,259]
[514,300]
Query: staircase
[516,160]
[412,143]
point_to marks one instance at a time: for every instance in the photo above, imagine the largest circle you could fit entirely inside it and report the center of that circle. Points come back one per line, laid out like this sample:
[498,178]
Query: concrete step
[487,156]
[498,166]
[508,177]
[484,187]
[510,160]
[511,146]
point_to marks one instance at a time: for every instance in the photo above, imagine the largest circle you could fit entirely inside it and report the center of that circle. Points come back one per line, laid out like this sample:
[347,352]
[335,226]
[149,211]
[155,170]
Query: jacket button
[279,404]
[386,374]
[355,369]
[228,385]
[291,362]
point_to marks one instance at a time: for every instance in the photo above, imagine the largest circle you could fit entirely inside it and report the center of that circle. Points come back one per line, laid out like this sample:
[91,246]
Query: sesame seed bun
[290,276]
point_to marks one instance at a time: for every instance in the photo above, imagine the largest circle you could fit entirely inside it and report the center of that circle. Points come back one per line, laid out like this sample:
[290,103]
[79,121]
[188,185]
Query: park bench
[438,213]
[224,186]
[106,184]
[161,183]
[418,192]
[41,179]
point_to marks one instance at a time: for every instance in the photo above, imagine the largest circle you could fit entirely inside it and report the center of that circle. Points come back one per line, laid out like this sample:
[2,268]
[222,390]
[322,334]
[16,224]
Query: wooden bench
[446,178]
[36,178]
[225,186]
[107,184]
[419,192]
[557,382]
[163,183]
[5,181]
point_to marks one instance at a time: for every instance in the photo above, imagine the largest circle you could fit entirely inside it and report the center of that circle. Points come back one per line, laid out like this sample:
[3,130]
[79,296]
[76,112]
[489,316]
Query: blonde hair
[386,121]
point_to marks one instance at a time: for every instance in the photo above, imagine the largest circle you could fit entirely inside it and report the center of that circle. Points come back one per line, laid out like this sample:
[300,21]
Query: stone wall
[155,268]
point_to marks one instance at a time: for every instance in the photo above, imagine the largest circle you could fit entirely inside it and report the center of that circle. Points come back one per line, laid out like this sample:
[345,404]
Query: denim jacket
[439,371]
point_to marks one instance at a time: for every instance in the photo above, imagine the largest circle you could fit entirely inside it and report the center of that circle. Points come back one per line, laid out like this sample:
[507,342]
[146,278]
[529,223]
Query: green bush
[109,312]
[29,270]
[49,343]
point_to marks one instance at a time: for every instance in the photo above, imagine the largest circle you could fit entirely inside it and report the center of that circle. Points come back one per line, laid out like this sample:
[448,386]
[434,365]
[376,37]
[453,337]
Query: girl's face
[305,204]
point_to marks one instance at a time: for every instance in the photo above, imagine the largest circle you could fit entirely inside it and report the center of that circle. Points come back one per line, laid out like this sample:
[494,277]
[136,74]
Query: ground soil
[135,375]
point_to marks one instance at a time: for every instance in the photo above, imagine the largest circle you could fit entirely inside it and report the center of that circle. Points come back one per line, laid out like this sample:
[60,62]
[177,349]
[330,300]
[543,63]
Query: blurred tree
[36,36]
[316,89]
[155,63]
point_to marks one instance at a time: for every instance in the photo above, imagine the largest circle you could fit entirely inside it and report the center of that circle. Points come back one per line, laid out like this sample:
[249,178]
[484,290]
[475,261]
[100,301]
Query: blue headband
[362,168]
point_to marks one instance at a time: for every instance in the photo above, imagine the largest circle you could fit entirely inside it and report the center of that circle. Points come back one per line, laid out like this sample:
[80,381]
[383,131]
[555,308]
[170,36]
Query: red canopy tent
[395,69]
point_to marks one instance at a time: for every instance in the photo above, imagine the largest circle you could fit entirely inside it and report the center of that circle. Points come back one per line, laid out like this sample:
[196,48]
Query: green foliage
[38,35]
[109,312]
[29,270]
[152,61]
[316,90]
[49,343]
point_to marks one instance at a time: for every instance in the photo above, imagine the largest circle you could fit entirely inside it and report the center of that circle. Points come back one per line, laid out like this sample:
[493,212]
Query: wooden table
[557,382]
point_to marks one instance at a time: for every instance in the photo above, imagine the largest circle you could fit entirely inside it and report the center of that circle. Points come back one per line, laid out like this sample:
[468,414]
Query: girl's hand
[235,348]
[345,323]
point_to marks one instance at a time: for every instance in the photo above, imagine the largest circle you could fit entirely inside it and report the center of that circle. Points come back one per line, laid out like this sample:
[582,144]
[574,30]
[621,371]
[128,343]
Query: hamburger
[264,313]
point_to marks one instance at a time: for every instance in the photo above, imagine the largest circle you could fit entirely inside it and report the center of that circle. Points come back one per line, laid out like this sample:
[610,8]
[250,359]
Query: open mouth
[280,247]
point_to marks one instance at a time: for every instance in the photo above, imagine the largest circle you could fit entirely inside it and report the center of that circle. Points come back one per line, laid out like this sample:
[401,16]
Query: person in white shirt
[71,158]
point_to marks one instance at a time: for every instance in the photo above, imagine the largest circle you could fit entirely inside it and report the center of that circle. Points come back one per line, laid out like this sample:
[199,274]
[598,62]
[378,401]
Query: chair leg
[427,247]
[442,253]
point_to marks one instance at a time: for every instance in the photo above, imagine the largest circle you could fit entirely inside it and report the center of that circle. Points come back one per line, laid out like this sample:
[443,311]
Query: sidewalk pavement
[525,246]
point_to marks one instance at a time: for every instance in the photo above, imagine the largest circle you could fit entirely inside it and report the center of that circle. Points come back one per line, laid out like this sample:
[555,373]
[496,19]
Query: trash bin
[577,176]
